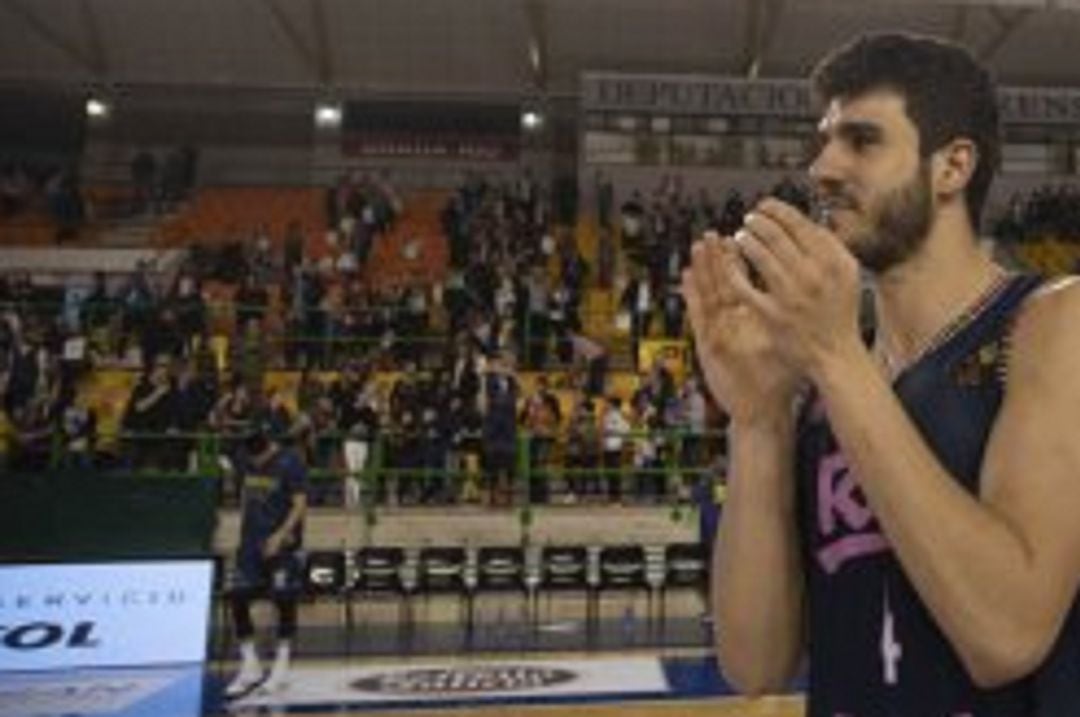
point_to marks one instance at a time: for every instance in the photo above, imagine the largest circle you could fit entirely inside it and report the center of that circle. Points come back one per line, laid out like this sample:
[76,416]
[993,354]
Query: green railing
[280,343]
[386,481]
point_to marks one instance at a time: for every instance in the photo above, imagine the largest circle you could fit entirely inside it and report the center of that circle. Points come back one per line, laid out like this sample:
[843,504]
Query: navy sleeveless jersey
[267,502]
[874,648]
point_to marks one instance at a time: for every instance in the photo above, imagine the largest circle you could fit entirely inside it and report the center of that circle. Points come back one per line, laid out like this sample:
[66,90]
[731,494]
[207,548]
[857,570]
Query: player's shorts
[282,574]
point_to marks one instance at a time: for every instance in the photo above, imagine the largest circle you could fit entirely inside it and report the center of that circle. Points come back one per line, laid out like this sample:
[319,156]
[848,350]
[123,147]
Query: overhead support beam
[537,49]
[49,35]
[1008,24]
[294,37]
[960,24]
[95,46]
[762,21]
[324,58]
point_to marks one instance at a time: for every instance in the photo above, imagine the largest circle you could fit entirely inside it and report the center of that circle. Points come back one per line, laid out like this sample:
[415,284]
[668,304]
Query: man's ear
[953,166]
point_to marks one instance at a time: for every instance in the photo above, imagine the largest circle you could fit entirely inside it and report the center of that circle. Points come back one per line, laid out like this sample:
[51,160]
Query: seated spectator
[78,426]
[32,426]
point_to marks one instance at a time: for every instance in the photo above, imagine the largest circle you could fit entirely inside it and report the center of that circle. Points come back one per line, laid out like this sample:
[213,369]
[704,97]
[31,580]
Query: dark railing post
[524,475]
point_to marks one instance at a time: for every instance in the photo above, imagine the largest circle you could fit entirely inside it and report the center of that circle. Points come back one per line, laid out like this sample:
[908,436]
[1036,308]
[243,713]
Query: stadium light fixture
[97,108]
[531,120]
[327,115]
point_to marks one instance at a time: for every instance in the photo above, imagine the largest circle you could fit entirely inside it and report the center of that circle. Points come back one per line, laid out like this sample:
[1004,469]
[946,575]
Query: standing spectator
[31,434]
[139,304]
[434,447]
[25,367]
[674,311]
[149,416]
[78,427]
[250,301]
[144,179]
[232,418]
[190,310]
[537,327]
[541,416]
[648,441]
[196,394]
[499,409]
[593,357]
[615,429]
[358,412]
[637,302]
[605,200]
[582,451]
[97,311]
[294,247]
[605,259]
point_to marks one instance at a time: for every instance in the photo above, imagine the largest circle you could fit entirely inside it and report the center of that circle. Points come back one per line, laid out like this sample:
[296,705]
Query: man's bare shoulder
[1046,334]
[1056,300]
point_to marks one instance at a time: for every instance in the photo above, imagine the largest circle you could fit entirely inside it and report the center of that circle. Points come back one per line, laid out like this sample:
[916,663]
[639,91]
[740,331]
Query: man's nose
[827,168]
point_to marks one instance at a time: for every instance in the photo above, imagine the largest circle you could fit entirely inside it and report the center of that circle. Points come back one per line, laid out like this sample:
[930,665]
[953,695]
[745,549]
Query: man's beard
[900,225]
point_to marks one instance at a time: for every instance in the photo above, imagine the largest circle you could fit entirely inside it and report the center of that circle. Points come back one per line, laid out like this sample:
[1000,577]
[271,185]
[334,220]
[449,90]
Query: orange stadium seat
[225,212]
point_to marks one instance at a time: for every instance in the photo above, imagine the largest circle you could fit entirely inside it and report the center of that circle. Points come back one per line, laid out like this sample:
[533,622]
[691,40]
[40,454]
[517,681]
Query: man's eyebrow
[853,129]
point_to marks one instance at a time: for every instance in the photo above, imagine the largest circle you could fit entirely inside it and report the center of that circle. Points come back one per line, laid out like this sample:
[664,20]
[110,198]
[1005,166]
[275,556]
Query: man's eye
[861,142]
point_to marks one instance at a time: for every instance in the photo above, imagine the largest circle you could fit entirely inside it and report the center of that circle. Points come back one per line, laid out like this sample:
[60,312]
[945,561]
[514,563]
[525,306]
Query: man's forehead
[878,107]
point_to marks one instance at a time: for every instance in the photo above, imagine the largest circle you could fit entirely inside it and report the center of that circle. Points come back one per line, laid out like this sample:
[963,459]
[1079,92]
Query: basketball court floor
[499,686]
[553,661]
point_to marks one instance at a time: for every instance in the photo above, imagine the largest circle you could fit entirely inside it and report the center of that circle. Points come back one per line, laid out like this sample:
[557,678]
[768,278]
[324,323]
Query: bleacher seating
[1048,256]
[227,213]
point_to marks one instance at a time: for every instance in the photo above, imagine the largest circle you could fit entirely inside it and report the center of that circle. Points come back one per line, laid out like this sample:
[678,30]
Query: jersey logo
[981,366]
[845,521]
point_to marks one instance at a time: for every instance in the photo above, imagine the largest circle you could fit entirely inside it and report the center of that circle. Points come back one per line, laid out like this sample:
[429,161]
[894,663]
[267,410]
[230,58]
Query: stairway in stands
[600,306]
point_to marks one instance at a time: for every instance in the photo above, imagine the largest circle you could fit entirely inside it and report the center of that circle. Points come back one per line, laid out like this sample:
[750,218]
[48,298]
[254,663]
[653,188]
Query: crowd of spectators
[41,364]
[516,281]
[28,188]
[1047,212]
[450,390]
[162,180]
[360,207]
[657,232]
[448,427]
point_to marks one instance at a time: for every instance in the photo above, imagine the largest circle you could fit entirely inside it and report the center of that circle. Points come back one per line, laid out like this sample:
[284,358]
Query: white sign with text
[104,615]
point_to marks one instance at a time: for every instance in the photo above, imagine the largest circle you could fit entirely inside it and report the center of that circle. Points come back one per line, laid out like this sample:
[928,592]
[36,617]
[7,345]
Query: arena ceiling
[507,48]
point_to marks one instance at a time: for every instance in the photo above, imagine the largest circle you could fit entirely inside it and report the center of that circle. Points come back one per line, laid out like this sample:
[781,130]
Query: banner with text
[705,95]
[494,680]
[104,615]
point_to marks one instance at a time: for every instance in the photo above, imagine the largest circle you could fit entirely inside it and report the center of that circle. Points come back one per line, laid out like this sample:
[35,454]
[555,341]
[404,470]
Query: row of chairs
[401,575]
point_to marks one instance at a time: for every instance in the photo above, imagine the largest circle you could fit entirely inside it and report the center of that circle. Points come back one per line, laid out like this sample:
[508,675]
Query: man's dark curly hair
[948,94]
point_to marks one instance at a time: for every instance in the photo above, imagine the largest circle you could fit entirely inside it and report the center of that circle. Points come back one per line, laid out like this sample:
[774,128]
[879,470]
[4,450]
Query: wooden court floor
[715,707]
[685,706]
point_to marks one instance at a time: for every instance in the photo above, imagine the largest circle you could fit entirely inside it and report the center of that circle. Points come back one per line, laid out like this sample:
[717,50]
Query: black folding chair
[623,568]
[564,569]
[379,577]
[443,570]
[500,569]
[326,576]
[686,567]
